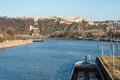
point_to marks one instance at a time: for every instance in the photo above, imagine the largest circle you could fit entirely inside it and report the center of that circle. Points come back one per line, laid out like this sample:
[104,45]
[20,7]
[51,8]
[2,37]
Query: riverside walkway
[14,43]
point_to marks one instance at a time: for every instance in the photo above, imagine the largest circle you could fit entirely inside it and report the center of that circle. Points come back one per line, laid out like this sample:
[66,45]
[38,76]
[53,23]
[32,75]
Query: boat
[89,39]
[37,40]
[84,70]
[78,38]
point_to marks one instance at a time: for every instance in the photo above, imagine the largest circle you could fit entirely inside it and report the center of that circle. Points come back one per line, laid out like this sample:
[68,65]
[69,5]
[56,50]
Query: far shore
[12,43]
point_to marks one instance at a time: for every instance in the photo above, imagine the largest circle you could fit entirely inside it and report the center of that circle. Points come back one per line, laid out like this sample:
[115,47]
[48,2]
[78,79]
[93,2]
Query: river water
[48,60]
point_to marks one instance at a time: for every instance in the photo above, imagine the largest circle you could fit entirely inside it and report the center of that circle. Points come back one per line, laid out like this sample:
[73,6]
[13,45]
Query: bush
[11,33]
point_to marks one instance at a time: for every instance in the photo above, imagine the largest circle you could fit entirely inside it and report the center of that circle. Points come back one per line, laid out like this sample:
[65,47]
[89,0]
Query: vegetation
[21,26]
[53,28]
[11,26]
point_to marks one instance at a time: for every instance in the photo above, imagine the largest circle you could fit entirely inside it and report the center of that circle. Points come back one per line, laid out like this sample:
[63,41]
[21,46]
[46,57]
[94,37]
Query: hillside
[53,27]
[19,25]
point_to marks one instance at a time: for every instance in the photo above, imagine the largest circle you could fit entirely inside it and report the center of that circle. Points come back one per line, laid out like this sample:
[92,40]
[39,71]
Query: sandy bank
[14,43]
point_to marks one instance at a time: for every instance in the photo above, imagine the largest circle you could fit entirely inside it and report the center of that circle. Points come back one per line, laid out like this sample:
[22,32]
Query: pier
[108,68]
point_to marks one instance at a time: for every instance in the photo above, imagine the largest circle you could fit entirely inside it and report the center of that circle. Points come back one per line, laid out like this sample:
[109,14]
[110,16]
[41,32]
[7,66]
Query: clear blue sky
[88,9]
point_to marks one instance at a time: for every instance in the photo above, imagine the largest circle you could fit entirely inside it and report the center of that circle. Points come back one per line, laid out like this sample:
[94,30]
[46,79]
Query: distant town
[70,20]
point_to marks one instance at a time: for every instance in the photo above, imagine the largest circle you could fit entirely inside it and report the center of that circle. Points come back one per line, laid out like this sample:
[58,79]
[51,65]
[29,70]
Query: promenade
[14,43]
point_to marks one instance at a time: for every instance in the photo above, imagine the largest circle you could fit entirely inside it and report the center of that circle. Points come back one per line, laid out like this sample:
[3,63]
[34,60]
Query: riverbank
[14,43]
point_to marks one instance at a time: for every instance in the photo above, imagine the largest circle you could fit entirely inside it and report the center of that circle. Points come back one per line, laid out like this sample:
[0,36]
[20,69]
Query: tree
[82,25]
[11,33]
[1,39]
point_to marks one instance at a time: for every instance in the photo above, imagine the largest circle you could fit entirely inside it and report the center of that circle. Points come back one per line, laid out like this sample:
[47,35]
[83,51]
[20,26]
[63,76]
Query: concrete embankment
[14,43]
[108,68]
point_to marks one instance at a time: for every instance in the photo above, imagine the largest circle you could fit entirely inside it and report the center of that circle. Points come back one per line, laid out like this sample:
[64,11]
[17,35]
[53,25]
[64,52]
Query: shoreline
[14,43]
[87,39]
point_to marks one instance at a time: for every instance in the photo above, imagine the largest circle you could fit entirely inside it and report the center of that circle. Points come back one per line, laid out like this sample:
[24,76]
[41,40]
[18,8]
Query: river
[48,60]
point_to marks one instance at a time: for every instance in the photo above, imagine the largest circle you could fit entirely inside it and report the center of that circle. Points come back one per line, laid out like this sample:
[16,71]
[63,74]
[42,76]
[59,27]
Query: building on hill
[34,30]
[70,20]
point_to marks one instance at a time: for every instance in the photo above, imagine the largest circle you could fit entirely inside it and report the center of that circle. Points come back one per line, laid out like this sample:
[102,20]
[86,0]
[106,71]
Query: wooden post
[111,48]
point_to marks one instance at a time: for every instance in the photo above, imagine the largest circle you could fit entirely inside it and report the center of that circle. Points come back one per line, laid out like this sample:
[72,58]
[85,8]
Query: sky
[92,10]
